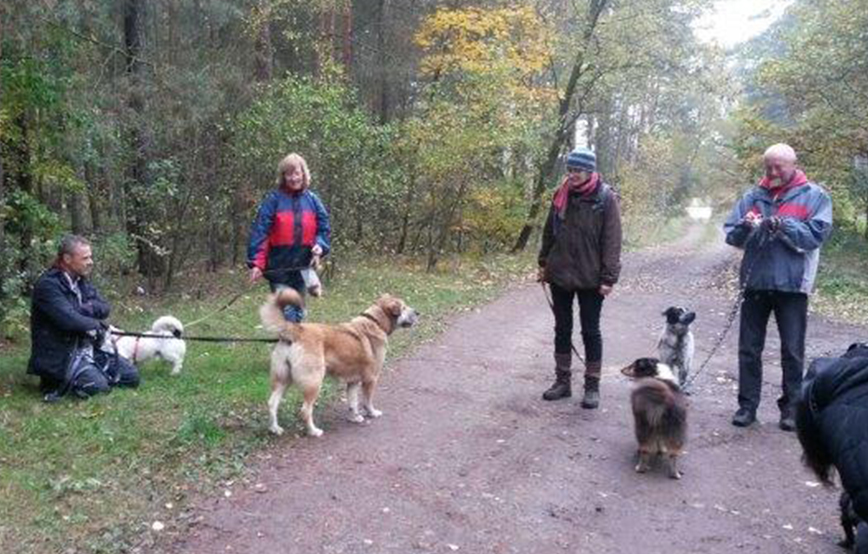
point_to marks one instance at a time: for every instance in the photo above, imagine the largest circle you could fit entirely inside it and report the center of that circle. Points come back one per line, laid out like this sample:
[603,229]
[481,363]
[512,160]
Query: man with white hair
[780,224]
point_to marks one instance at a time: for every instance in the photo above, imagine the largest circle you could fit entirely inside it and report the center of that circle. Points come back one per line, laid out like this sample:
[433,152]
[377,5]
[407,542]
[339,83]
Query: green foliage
[347,154]
[813,98]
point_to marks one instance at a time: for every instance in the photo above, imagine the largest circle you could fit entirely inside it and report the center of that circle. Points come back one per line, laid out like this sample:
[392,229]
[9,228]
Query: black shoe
[743,417]
[787,423]
[561,389]
[591,399]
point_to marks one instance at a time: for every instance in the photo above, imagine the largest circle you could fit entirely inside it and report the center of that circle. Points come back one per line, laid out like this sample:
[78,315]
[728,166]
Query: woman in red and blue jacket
[291,229]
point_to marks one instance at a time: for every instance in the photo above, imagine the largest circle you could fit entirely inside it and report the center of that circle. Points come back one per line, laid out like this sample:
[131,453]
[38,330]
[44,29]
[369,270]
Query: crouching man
[67,326]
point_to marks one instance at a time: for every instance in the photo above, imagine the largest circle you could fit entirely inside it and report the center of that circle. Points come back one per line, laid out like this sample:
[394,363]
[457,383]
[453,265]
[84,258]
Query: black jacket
[836,392]
[59,322]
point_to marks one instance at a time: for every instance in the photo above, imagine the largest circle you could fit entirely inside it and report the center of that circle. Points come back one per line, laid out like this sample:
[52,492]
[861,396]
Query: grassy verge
[842,281]
[93,476]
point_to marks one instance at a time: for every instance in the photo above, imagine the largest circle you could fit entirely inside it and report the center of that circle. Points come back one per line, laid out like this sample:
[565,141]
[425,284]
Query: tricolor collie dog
[659,412]
[172,348]
[675,347]
[353,352]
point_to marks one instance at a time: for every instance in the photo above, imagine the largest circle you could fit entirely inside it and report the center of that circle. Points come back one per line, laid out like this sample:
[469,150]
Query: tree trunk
[148,260]
[76,213]
[347,49]
[382,60]
[95,189]
[405,223]
[24,180]
[3,261]
[264,56]
[595,10]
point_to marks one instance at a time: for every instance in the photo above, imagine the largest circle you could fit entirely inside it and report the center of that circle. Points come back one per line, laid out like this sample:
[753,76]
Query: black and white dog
[675,347]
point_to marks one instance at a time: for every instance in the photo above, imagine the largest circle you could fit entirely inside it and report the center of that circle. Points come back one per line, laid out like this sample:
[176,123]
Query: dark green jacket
[583,250]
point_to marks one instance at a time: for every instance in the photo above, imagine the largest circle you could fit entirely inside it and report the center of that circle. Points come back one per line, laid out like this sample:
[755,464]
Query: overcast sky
[734,21]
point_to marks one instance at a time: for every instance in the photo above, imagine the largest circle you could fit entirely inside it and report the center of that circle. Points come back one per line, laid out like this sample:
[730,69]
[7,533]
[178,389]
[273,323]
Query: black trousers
[92,372]
[791,315]
[590,307]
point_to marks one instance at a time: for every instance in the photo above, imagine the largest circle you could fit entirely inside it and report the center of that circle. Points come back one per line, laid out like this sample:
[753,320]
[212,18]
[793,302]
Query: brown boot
[591,398]
[562,387]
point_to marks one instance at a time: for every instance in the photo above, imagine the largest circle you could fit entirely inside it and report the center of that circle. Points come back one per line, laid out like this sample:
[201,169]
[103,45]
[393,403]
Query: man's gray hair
[69,244]
[780,151]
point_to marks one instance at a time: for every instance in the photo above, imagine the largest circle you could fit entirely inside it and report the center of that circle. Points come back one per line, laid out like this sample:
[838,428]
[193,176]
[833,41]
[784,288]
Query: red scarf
[799,178]
[569,185]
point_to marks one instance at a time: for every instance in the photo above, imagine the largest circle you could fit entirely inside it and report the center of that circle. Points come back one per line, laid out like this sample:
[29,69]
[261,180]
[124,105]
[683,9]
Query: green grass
[94,474]
[842,281]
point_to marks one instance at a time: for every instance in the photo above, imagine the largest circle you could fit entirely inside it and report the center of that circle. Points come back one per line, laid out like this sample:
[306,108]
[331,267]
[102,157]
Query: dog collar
[372,318]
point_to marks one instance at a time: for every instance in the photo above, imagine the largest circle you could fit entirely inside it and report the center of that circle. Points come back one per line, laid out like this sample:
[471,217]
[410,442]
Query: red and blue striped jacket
[285,230]
[786,260]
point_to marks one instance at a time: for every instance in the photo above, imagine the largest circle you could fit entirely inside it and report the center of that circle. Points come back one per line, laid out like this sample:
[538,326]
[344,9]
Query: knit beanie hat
[582,159]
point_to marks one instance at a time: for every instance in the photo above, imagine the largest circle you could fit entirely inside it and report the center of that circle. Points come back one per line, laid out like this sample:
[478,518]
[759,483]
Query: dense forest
[431,127]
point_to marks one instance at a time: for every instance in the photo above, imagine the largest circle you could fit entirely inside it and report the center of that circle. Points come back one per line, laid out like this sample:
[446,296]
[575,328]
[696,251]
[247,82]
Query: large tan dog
[352,352]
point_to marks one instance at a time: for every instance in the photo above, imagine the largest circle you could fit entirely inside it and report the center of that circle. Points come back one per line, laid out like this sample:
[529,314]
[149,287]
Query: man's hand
[255,274]
[316,250]
[752,219]
[605,290]
[771,224]
[541,275]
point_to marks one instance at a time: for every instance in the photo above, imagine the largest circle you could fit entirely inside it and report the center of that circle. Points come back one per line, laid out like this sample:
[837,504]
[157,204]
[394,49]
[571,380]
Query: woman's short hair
[293,160]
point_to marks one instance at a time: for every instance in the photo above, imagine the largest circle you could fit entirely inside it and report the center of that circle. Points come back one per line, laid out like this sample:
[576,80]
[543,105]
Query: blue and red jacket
[286,227]
[787,259]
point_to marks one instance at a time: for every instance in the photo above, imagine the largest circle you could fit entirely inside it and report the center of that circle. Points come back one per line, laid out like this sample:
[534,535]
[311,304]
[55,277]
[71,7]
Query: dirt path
[468,457]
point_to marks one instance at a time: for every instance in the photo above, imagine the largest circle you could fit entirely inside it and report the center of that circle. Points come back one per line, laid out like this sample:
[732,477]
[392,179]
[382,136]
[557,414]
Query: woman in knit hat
[580,257]
[291,232]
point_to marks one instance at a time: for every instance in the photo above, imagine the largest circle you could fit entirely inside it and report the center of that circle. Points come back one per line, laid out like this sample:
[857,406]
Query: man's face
[80,262]
[779,171]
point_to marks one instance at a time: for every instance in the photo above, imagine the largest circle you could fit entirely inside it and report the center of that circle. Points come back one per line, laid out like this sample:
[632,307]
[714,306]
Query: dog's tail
[168,324]
[271,312]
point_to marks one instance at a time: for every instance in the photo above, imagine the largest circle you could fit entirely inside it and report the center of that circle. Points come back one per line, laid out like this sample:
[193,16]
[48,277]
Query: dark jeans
[590,306]
[92,373]
[295,281]
[791,315]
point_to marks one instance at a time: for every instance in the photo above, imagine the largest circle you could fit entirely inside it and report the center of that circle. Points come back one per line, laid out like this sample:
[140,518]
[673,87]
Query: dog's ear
[390,305]
[668,311]
[688,318]
[630,370]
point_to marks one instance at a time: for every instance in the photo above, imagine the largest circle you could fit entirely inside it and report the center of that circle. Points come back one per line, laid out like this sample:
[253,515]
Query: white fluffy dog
[172,348]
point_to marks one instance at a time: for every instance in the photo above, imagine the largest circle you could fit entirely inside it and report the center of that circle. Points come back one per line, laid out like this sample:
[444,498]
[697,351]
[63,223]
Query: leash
[733,312]
[194,339]
[235,298]
[552,307]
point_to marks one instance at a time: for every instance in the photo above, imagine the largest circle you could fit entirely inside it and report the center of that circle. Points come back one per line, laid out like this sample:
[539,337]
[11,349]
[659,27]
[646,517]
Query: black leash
[195,339]
[552,306]
[240,294]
